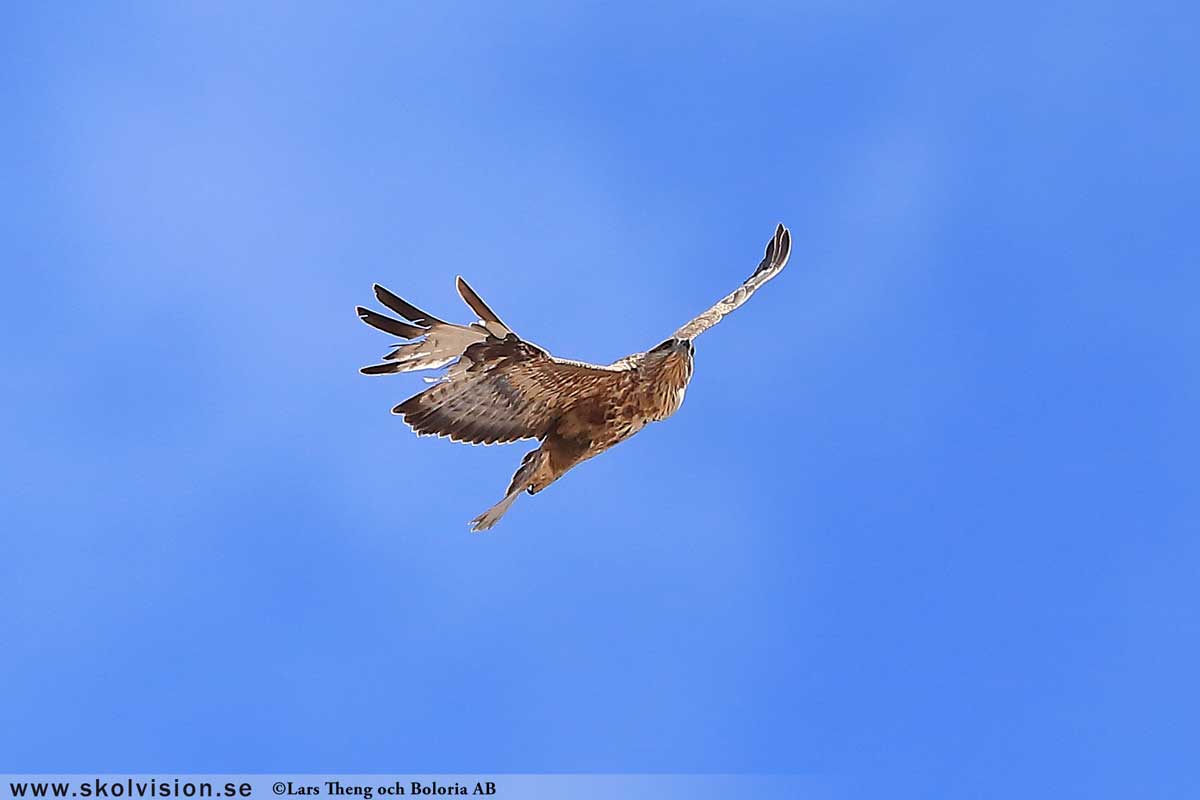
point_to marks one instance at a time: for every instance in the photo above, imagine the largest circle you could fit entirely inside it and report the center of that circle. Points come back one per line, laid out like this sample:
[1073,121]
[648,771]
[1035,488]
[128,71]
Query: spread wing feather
[487,317]
[436,342]
[774,260]
[406,309]
[388,325]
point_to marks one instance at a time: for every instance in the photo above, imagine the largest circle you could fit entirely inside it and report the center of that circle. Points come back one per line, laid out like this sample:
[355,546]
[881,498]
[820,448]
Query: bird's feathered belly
[603,420]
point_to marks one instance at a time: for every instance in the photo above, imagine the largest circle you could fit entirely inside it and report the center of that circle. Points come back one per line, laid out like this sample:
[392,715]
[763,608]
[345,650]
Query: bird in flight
[501,388]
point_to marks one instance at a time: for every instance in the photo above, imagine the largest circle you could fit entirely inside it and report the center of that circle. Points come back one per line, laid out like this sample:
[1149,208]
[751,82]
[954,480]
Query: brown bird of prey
[502,388]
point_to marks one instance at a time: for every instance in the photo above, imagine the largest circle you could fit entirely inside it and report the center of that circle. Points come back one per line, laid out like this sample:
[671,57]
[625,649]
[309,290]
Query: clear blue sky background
[928,515]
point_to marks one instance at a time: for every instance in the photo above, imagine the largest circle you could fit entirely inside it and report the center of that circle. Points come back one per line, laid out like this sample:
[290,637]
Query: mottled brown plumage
[500,388]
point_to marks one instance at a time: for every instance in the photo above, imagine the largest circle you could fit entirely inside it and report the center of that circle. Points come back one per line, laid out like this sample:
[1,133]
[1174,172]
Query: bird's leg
[534,462]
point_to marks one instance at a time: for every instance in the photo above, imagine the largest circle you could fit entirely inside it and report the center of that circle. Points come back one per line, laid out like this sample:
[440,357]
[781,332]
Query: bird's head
[673,347]
[673,355]
[669,367]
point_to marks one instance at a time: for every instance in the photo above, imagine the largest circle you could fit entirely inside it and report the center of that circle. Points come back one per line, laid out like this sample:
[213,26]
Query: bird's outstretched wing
[776,257]
[503,390]
[499,388]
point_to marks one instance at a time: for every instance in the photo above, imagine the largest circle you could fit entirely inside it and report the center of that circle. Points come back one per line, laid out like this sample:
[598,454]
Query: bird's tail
[536,462]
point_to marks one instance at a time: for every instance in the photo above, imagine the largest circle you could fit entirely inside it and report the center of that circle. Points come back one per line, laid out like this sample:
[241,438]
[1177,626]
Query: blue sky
[927,516]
